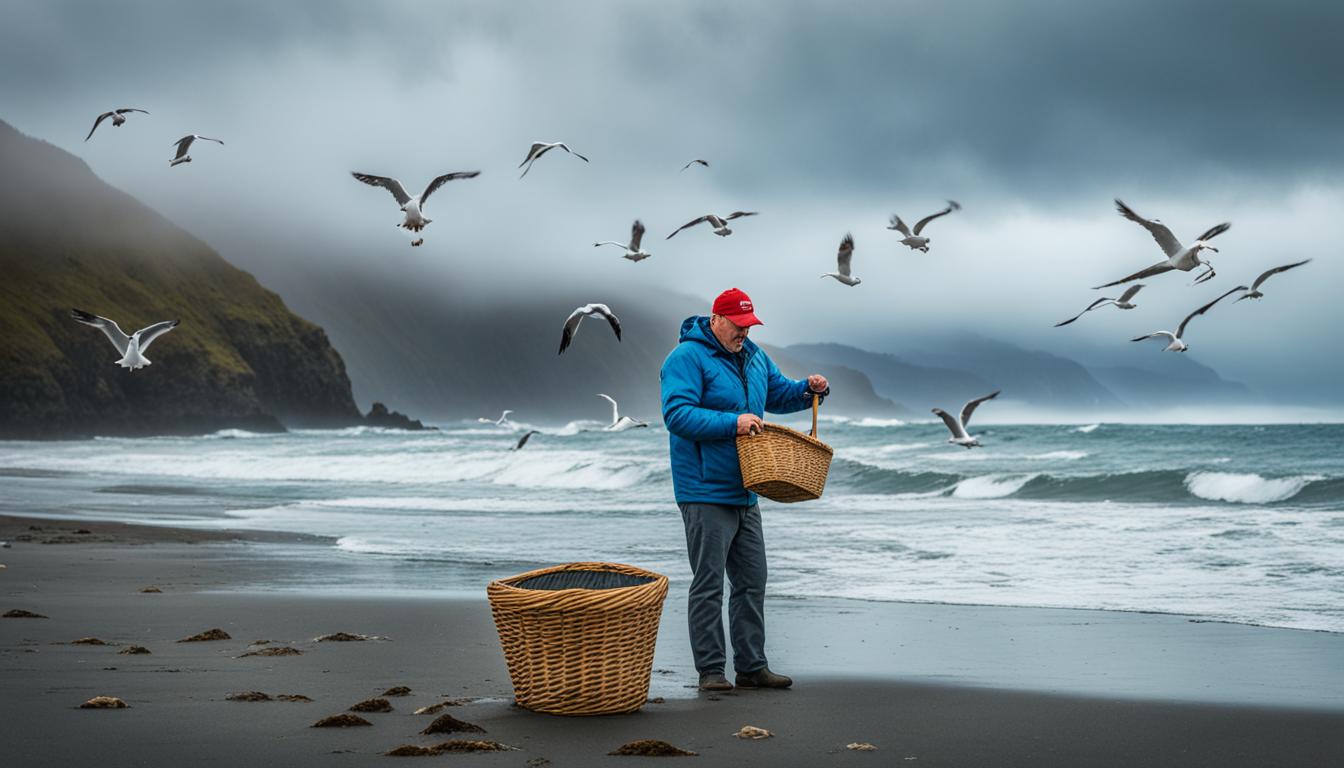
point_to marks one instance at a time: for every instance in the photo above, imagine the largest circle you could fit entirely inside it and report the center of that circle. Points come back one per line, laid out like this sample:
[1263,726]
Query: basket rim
[790,432]
[507,584]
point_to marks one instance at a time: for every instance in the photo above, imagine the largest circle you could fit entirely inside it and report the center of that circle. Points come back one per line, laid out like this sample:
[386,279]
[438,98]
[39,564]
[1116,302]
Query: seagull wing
[969,408]
[695,162]
[1180,330]
[1090,307]
[207,138]
[444,179]
[845,255]
[1215,231]
[96,123]
[565,147]
[1129,293]
[124,110]
[615,411]
[523,440]
[386,182]
[1269,273]
[612,320]
[951,422]
[183,145]
[571,328]
[636,234]
[109,328]
[533,154]
[688,225]
[1170,245]
[951,206]
[739,214]
[149,333]
[1155,334]
[1156,269]
[898,225]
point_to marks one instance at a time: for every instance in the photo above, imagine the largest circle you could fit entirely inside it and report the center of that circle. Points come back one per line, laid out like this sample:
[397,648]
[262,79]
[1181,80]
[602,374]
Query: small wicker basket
[784,465]
[579,638]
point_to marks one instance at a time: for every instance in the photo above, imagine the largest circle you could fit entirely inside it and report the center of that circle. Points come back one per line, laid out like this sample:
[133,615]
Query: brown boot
[714,681]
[763,678]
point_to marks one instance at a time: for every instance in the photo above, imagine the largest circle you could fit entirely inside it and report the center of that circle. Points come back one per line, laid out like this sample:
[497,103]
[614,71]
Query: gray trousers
[722,539]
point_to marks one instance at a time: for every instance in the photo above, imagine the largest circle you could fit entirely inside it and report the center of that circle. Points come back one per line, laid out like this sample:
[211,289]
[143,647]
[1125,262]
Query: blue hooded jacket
[704,390]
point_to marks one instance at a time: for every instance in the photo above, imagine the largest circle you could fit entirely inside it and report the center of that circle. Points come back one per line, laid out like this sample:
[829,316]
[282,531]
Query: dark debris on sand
[341,637]
[207,635]
[19,613]
[248,696]
[104,702]
[435,708]
[151,590]
[399,690]
[340,721]
[651,748]
[372,705]
[87,641]
[133,650]
[279,650]
[450,724]
[456,745]
[292,697]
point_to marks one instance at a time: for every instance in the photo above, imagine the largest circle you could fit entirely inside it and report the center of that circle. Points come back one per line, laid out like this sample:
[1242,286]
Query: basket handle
[815,401]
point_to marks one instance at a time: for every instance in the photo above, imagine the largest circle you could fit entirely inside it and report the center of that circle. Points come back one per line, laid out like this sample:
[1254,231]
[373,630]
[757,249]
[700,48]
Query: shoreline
[946,685]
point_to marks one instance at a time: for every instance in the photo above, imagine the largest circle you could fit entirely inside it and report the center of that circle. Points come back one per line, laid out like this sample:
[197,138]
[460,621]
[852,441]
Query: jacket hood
[696,328]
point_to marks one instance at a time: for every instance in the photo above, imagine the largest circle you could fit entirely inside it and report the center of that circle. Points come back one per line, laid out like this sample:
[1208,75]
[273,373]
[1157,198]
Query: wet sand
[926,684]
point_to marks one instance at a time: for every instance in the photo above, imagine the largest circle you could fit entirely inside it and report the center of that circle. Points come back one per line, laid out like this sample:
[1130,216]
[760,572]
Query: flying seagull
[540,148]
[958,425]
[501,421]
[131,347]
[620,423]
[1255,293]
[914,240]
[572,324]
[1177,344]
[118,117]
[695,162]
[184,144]
[1121,303]
[842,260]
[632,250]
[523,440]
[1178,256]
[720,225]
[413,207]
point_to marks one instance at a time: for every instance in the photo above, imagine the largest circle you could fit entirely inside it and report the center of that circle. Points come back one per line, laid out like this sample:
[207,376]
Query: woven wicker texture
[583,650]
[784,465]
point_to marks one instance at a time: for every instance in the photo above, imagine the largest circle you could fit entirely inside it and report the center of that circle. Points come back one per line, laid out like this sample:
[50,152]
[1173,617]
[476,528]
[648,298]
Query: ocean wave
[235,434]
[437,504]
[1086,428]
[1246,488]
[991,486]
[1053,455]
[869,421]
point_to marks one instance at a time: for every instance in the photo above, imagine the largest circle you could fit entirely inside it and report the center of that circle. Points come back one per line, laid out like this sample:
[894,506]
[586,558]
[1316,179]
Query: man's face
[729,334]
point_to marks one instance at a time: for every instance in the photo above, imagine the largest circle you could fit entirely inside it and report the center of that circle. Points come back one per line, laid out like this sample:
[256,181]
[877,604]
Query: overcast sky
[826,117]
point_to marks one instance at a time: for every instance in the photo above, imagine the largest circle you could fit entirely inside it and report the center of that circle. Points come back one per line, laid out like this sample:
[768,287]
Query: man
[716,385]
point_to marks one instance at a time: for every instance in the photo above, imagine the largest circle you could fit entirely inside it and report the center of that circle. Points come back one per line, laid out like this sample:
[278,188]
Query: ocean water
[1230,523]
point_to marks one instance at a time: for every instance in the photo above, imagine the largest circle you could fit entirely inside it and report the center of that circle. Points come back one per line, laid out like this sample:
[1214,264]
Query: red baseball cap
[736,305]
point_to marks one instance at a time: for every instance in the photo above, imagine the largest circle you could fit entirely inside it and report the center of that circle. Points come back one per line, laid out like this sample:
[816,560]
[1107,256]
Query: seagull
[572,324]
[1255,293]
[632,251]
[1121,303]
[1178,256]
[1177,345]
[695,162]
[720,225]
[523,440]
[184,144]
[413,207]
[118,117]
[914,240]
[540,148]
[501,421]
[843,259]
[620,423]
[958,425]
[131,347]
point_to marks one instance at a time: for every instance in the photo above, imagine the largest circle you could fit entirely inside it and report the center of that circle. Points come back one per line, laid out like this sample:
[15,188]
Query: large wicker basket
[784,465]
[579,638]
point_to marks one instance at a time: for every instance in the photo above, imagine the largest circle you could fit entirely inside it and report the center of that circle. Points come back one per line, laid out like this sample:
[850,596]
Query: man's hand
[817,383]
[749,424]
